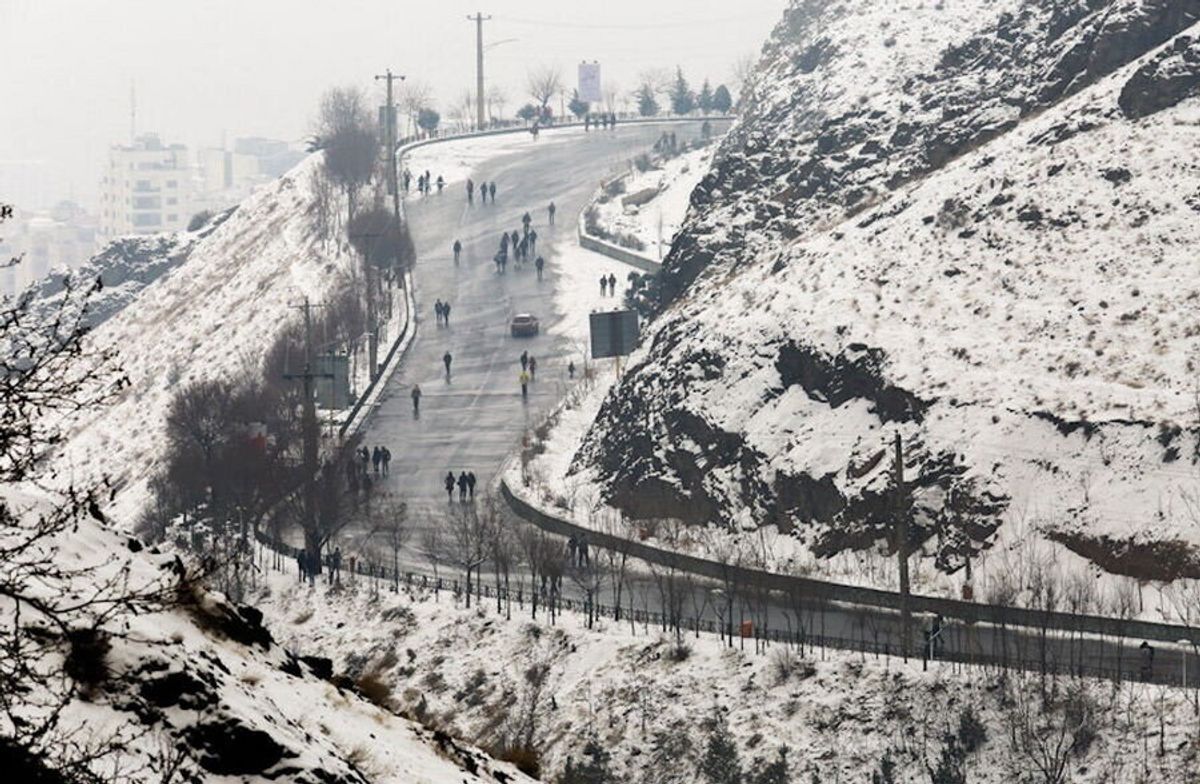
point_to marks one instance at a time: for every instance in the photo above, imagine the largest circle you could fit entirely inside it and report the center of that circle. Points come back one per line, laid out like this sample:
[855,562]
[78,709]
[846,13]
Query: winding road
[473,419]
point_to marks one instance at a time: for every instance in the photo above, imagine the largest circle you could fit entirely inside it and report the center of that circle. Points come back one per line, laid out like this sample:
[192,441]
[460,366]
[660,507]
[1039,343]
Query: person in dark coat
[526,219]
[571,370]
[416,398]
[515,238]
[492,189]
[471,484]
[470,191]
[540,264]
[612,288]
[532,368]
[603,286]
[550,212]
[386,455]
[449,484]
[524,360]
[446,360]
[533,240]
[300,564]
[376,459]
[457,250]
[462,486]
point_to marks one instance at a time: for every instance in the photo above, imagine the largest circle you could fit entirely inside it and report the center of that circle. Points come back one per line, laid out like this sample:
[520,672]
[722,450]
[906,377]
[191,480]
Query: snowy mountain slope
[469,671]
[968,223]
[202,685]
[213,315]
[125,267]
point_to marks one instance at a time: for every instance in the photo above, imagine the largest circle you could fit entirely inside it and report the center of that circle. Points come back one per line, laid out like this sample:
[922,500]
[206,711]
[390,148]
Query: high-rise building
[146,189]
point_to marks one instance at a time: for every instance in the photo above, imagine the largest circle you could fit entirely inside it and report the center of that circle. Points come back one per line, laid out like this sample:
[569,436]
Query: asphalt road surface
[474,418]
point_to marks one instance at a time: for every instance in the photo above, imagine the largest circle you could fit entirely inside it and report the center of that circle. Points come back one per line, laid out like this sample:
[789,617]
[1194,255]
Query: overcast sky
[257,67]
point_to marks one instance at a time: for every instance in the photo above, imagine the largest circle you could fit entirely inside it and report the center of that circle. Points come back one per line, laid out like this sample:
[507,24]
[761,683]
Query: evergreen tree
[428,119]
[774,772]
[720,763]
[670,759]
[527,112]
[578,107]
[647,105]
[683,100]
[705,99]
[722,100]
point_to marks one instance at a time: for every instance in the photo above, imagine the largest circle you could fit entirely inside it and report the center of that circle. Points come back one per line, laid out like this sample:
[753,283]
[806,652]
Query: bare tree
[59,616]
[388,520]
[466,543]
[496,100]
[503,549]
[544,82]
[415,95]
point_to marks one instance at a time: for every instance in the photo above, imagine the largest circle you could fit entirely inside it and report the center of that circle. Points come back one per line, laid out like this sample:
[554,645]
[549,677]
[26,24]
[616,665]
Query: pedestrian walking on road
[571,370]
[603,286]
[523,249]
[492,191]
[448,482]
[446,360]
[462,487]
[498,260]
[524,379]
[457,250]
[525,221]
[612,290]
[504,242]
[446,311]
[524,361]
[540,264]
[533,240]
[471,485]
[441,183]
[550,212]
[416,398]
[470,191]
[514,238]
[364,455]
[437,309]
[387,458]
[532,368]
[376,459]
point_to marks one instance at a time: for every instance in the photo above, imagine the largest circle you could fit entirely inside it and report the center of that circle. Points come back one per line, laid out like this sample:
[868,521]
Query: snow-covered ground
[202,684]
[469,671]
[214,316]
[656,221]
[455,160]
[941,221]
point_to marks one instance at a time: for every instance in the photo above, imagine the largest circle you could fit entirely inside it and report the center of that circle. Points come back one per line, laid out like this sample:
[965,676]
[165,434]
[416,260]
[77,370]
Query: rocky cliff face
[967,224]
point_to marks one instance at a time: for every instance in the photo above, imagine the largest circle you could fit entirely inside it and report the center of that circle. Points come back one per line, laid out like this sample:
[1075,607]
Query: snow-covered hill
[969,223]
[212,316]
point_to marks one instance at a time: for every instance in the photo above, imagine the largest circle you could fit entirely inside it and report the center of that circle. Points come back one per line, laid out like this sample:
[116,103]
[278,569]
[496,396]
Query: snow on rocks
[943,221]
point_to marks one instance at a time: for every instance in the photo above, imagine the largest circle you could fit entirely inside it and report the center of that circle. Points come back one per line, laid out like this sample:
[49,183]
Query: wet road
[472,419]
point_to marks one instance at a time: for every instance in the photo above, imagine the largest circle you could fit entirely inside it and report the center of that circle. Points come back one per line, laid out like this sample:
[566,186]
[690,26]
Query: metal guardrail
[969,612]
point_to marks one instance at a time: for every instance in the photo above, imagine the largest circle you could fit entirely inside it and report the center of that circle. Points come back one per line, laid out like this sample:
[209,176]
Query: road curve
[473,419]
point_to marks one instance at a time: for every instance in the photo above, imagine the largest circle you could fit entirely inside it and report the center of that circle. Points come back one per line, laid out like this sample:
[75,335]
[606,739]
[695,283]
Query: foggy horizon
[202,77]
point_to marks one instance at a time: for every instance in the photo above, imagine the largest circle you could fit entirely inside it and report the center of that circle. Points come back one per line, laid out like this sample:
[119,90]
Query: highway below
[473,418]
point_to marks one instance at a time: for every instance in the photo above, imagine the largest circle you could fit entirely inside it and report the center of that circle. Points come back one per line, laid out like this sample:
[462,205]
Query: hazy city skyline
[201,75]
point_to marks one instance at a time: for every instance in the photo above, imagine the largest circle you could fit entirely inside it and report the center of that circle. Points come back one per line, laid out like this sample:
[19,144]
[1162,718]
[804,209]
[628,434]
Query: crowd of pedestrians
[465,482]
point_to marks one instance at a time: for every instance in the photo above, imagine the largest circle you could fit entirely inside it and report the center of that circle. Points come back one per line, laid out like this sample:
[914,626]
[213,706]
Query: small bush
[373,688]
[971,732]
[787,663]
[87,657]
[679,651]
[526,760]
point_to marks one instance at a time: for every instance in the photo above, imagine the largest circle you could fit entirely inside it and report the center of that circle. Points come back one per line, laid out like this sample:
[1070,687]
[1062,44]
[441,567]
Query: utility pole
[900,512]
[389,119]
[310,435]
[480,119]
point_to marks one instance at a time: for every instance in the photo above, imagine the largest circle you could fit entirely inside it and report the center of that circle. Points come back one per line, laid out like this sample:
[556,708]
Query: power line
[653,26]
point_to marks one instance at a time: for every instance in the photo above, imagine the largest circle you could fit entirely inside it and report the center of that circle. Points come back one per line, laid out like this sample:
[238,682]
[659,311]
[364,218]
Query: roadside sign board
[332,381]
[614,334]
[589,82]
